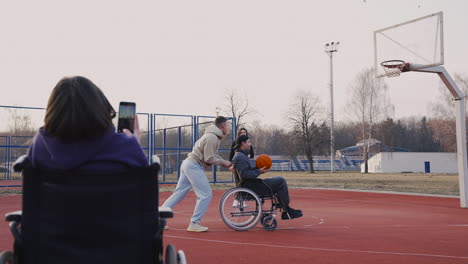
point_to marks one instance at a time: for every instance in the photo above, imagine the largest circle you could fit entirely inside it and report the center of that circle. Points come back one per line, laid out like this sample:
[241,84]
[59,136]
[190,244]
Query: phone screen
[127,112]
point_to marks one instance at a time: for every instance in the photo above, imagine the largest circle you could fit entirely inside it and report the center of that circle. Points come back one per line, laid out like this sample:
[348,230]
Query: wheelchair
[241,208]
[76,217]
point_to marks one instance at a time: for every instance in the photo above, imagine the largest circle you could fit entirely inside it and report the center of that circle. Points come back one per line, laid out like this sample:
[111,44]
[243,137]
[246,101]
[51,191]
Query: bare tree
[369,103]
[269,139]
[21,128]
[444,108]
[20,123]
[443,114]
[305,117]
[444,134]
[237,106]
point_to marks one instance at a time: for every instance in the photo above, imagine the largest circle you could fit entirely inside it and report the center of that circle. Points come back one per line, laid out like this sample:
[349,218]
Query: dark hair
[239,140]
[220,120]
[240,129]
[77,109]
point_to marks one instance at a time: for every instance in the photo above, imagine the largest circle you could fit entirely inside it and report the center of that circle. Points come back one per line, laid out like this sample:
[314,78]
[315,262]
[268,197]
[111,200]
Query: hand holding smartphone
[127,111]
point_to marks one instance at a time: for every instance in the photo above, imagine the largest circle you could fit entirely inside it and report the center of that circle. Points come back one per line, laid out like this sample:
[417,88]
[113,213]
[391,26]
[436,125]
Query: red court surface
[337,227]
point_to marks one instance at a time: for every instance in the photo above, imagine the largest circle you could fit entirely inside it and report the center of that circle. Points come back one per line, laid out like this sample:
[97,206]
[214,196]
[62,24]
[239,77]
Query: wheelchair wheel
[6,257]
[171,255]
[181,259]
[269,223]
[240,209]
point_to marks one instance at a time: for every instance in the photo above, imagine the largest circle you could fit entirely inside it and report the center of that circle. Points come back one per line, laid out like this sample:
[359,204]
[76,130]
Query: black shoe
[291,213]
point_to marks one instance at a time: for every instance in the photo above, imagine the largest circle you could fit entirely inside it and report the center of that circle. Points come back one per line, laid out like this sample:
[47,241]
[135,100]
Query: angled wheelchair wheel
[6,257]
[240,209]
[269,223]
[171,255]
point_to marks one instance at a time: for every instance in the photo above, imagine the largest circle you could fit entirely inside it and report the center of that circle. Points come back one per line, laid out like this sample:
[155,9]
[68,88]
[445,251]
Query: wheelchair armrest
[15,222]
[20,163]
[13,216]
[165,212]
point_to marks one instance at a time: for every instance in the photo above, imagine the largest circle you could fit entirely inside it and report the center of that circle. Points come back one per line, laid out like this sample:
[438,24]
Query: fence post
[215,168]
[195,130]
[150,138]
[8,164]
[164,156]
[179,144]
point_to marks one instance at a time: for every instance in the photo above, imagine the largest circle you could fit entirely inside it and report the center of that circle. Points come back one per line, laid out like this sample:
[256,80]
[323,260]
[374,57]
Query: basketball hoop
[393,68]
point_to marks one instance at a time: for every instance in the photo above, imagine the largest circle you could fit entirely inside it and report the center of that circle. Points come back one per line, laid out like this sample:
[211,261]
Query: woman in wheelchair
[78,132]
[89,195]
[246,176]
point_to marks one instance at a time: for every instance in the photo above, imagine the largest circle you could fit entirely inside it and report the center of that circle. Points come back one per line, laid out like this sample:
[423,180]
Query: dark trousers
[277,185]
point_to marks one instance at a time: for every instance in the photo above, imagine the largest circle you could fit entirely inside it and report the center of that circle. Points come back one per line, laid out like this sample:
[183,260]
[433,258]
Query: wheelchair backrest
[74,217]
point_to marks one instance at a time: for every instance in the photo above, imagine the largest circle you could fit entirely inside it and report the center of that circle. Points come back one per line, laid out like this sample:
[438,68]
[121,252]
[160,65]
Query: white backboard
[419,42]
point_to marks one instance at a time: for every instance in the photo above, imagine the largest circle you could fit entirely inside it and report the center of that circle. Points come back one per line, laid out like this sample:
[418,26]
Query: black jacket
[243,170]
[246,175]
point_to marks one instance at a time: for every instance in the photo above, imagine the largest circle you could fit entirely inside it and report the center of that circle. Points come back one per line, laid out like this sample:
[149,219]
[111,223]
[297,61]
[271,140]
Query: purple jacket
[110,152]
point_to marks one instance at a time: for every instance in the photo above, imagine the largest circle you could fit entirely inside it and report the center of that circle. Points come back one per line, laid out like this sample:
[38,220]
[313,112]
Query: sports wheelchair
[76,217]
[241,208]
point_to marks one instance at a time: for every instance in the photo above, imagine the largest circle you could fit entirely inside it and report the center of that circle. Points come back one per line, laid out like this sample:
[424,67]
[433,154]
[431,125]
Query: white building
[396,162]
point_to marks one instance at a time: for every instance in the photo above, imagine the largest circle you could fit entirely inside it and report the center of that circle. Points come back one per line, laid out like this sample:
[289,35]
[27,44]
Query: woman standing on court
[242,131]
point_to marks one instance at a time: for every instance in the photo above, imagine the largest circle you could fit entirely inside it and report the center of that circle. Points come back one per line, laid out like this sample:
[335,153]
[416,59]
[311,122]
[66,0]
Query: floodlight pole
[460,114]
[329,49]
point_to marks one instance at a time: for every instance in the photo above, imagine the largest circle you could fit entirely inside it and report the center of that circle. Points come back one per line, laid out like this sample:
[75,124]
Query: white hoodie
[205,151]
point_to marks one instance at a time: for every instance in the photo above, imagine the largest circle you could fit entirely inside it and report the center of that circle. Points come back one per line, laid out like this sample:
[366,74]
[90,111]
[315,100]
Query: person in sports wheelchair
[89,195]
[242,207]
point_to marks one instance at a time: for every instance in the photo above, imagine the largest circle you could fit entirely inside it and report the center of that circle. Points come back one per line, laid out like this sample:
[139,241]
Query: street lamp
[329,49]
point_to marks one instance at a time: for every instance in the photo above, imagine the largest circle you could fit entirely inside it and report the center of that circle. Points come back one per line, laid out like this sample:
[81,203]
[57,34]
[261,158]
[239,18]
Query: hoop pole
[460,117]
[332,121]
[444,76]
[461,150]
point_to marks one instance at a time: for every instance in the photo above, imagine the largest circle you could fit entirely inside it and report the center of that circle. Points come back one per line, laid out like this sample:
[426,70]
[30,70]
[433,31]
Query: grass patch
[427,183]
[10,191]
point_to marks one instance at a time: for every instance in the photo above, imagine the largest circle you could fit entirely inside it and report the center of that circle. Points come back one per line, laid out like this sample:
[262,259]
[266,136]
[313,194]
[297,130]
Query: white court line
[316,226]
[320,220]
[324,249]
[338,200]
[385,192]
[333,200]
[384,226]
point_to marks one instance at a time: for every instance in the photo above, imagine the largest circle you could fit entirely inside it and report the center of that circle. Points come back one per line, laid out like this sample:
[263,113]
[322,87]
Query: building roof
[365,141]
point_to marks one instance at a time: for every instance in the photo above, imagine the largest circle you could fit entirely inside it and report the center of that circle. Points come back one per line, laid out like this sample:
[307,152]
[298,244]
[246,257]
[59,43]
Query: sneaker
[291,213]
[197,228]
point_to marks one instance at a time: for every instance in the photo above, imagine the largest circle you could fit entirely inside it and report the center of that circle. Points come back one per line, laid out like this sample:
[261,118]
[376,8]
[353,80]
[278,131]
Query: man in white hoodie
[192,172]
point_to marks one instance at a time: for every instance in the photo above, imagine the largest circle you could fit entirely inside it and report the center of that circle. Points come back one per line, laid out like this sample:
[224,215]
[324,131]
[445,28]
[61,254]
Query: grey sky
[180,57]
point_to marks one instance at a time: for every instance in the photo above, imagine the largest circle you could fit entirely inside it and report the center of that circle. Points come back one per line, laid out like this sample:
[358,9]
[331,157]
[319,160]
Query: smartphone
[127,111]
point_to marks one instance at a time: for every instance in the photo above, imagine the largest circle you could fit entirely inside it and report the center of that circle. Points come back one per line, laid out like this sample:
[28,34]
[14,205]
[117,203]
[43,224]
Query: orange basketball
[263,161]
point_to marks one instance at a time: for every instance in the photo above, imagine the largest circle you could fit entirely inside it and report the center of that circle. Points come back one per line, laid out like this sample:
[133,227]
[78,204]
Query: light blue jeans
[192,175]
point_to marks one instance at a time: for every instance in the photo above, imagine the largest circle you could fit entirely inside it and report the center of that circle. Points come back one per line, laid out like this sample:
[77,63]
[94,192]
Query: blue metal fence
[171,144]
[155,140]
[11,147]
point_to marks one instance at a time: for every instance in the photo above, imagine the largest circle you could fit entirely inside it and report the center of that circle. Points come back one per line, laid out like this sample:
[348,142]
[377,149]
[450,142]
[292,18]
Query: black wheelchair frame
[76,217]
[242,208]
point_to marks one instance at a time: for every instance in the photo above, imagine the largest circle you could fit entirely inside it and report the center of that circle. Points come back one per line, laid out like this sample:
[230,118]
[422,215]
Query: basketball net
[393,68]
